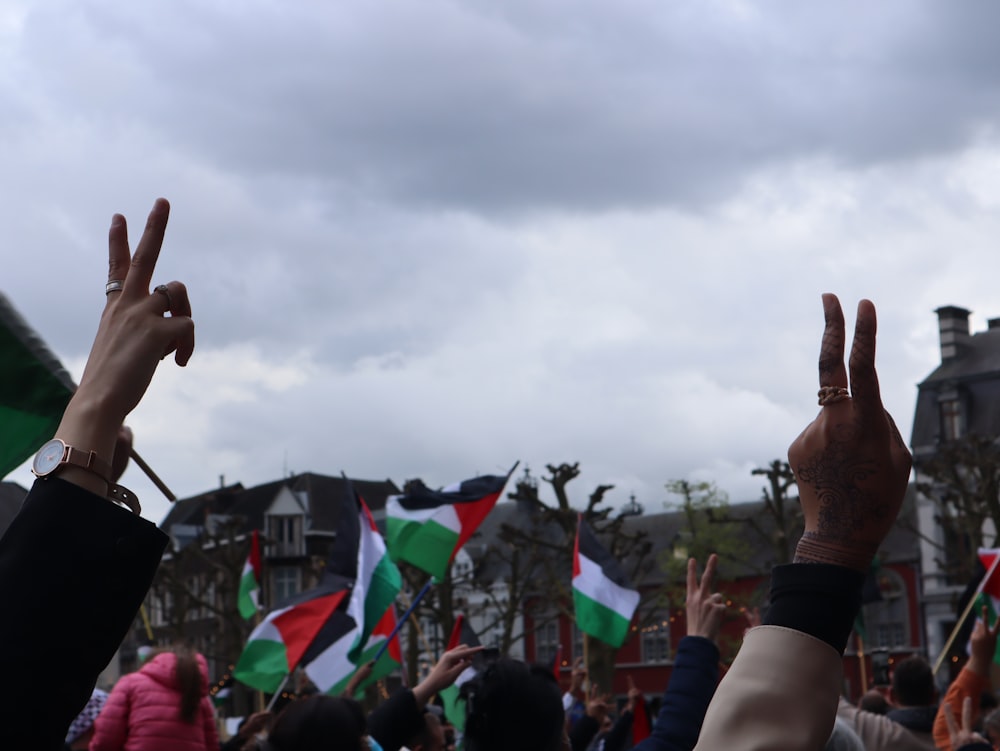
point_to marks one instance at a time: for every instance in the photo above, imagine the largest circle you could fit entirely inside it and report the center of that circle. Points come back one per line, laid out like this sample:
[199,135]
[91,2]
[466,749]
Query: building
[958,400]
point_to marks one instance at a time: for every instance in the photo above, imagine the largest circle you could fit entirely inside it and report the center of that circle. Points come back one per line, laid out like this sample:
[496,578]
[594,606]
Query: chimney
[953,325]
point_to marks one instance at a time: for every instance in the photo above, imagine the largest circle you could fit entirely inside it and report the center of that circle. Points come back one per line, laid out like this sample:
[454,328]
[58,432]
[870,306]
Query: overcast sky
[427,239]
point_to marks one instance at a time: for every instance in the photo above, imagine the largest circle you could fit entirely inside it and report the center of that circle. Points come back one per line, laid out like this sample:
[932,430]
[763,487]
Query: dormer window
[285,534]
[952,416]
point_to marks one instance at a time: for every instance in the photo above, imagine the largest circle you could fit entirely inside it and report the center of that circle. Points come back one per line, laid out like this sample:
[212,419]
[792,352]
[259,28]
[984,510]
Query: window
[577,642]
[951,415]
[655,640]
[886,622]
[547,642]
[286,535]
[285,582]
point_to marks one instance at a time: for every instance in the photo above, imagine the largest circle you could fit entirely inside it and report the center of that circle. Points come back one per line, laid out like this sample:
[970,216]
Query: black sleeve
[817,599]
[74,569]
[396,720]
[617,738]
[583,732]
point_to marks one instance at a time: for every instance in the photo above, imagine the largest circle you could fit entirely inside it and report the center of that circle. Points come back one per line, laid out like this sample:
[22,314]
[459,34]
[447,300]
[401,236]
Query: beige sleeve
[781,692]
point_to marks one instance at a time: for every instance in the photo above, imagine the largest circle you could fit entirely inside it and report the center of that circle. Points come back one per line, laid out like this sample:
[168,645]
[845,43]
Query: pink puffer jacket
[143,712]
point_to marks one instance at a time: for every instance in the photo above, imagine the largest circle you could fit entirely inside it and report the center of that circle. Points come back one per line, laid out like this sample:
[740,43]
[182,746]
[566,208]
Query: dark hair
[913,683]
[873,701]
[511,705]
[188,682]
[318,723]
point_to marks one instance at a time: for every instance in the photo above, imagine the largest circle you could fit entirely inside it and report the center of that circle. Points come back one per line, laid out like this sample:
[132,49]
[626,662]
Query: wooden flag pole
[141,463]
[861,662]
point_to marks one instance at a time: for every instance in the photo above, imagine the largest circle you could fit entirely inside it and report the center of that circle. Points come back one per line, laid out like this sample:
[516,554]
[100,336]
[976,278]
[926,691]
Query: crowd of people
[77,551]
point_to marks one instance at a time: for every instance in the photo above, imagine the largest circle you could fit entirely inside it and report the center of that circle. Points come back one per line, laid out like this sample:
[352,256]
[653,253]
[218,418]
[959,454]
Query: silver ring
[162,288]
[115,285]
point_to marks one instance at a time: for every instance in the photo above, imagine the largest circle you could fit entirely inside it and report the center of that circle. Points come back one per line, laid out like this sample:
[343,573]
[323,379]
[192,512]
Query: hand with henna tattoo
[850,463]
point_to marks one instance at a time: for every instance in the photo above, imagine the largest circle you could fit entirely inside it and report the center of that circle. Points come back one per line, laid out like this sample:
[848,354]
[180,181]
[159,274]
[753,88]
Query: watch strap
[88,460]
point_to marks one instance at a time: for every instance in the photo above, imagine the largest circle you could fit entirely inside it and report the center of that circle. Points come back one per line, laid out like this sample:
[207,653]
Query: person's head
[991,727]
[430,737]
[314,723]
[843,738]
[513,705]
[913,683]
[874,701]
[189,682]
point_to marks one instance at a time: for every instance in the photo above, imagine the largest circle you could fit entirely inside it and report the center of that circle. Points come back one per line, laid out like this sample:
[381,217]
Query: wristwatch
[57,453]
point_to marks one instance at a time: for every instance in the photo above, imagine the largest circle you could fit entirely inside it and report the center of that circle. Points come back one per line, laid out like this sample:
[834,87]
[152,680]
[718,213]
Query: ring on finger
[162,289]
[115,285]
[832,394]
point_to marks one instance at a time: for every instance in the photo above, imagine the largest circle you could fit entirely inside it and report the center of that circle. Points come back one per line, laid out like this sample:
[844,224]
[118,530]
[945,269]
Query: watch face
[48,457]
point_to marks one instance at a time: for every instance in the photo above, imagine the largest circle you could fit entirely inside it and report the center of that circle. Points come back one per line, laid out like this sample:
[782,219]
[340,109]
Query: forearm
[68,557]
[784,686]
[968,683]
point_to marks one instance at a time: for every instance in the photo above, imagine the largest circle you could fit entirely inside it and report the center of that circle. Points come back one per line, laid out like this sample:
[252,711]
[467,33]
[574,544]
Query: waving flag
[327,628]
[389,662]
[454,705]
[278,644]
[34,389]
[346,642]
[249,596]
[603,603]
[427,528]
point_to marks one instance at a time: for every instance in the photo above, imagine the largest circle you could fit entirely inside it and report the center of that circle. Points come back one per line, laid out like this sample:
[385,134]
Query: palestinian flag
[602,600]
[451,697]
[377,580]
[249,596]
[34,389]
[281,640]
[426,528]
[389,662]
[359,553]
[989,590]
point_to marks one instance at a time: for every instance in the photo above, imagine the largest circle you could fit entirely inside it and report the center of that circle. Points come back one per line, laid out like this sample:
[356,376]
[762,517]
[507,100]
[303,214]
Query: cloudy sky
[427,239]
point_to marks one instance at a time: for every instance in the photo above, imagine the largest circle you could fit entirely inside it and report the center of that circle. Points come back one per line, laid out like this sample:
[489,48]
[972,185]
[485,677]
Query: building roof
[664,529]
[323,495]
[973,376]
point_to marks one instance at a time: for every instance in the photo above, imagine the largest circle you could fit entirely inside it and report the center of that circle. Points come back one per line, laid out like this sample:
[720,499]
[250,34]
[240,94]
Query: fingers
[631,683]
[967,714]
[864,380]
[692,576]
[949,718]
[709,575]
[119,257]
[831,353]
[144,261]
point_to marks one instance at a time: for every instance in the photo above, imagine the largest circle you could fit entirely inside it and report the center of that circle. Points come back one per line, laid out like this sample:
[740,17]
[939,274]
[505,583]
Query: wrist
[814,547]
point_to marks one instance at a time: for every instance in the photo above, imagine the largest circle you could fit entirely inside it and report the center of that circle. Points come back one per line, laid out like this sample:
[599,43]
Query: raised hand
[705,609]
[134,334]
[961,736]
[983,644]
[850,463]
[445,672]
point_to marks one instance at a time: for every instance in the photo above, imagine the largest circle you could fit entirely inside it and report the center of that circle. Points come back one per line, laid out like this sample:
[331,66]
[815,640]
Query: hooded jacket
[143,712]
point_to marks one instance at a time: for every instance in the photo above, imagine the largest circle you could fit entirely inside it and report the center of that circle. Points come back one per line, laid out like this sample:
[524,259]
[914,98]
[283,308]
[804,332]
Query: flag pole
[277,693]
[965,614]
[141,463]
[861,662]
[401,621]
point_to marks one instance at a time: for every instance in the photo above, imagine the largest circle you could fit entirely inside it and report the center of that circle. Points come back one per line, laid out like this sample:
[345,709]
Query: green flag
[34,389]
